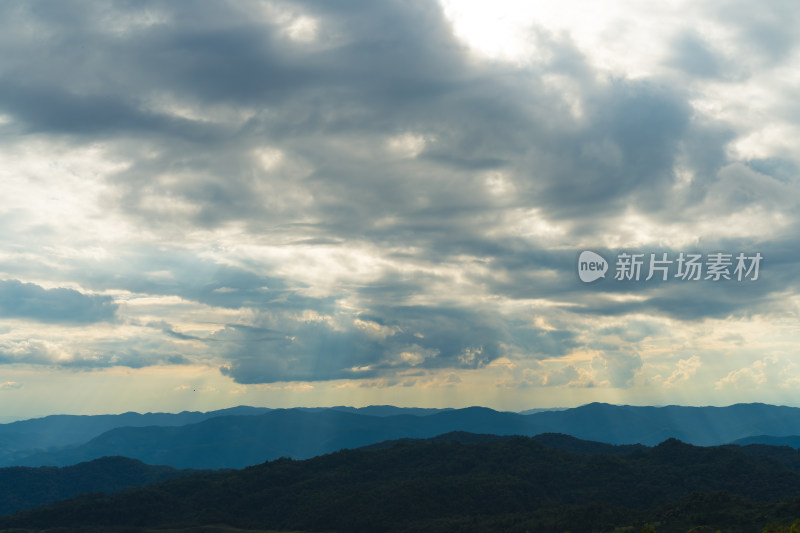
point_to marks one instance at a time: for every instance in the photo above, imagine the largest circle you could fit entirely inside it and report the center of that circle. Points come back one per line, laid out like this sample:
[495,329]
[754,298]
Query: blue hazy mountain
[703,426]
[792,441]
[383,410]
[542,410]
[237,441]
[23,437]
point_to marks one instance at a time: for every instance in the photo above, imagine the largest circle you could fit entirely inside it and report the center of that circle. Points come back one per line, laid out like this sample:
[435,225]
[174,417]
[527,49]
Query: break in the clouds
[386,193]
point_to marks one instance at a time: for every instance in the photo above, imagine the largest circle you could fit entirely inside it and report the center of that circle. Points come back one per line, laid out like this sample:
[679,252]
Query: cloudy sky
[272,203]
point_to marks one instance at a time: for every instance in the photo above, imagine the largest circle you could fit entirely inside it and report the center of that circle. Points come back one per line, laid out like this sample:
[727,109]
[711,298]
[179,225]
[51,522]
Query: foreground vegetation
[517,484]
[196,529]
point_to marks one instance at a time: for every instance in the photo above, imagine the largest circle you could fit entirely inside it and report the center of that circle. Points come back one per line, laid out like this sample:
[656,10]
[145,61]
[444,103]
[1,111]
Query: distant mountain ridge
[793,441]
[20,437]
[542,410]
[703,426]
[245,435]
[381,410]
[24,438]
[238,441]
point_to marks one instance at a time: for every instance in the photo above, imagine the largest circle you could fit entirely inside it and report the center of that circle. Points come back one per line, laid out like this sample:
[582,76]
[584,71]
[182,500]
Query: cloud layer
[308,191]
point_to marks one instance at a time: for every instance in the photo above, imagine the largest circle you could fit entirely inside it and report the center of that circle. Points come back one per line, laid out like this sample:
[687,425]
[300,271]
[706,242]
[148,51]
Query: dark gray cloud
[383,135]
[67,306]
[378,71]
[380,343]
[768,30]
[694,56]
[176,272]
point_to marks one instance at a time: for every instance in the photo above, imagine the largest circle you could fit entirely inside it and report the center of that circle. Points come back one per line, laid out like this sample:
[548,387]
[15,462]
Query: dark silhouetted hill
[510,484]
[25,488]
[556,441]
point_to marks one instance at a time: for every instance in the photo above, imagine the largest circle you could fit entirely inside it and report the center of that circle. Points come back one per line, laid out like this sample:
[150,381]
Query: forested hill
[510,484]
[25,488]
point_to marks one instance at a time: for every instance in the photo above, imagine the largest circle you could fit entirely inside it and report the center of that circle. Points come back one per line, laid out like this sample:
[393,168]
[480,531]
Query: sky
[310,203]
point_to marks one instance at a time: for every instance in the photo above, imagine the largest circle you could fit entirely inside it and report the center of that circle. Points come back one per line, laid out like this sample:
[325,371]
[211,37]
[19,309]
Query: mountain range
[457,482]
[244,436]
[24,437]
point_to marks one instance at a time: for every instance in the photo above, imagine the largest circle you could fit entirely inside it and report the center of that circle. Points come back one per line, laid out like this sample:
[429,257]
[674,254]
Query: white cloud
[685,369]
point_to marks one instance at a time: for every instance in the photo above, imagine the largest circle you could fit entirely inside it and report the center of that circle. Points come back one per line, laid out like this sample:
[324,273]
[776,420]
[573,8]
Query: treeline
[26,487]
[515,484]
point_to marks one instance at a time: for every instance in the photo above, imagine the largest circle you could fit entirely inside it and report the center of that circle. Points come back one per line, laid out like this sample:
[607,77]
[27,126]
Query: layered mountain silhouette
[21,438]
[25,438]
[229,439]
[457,482]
